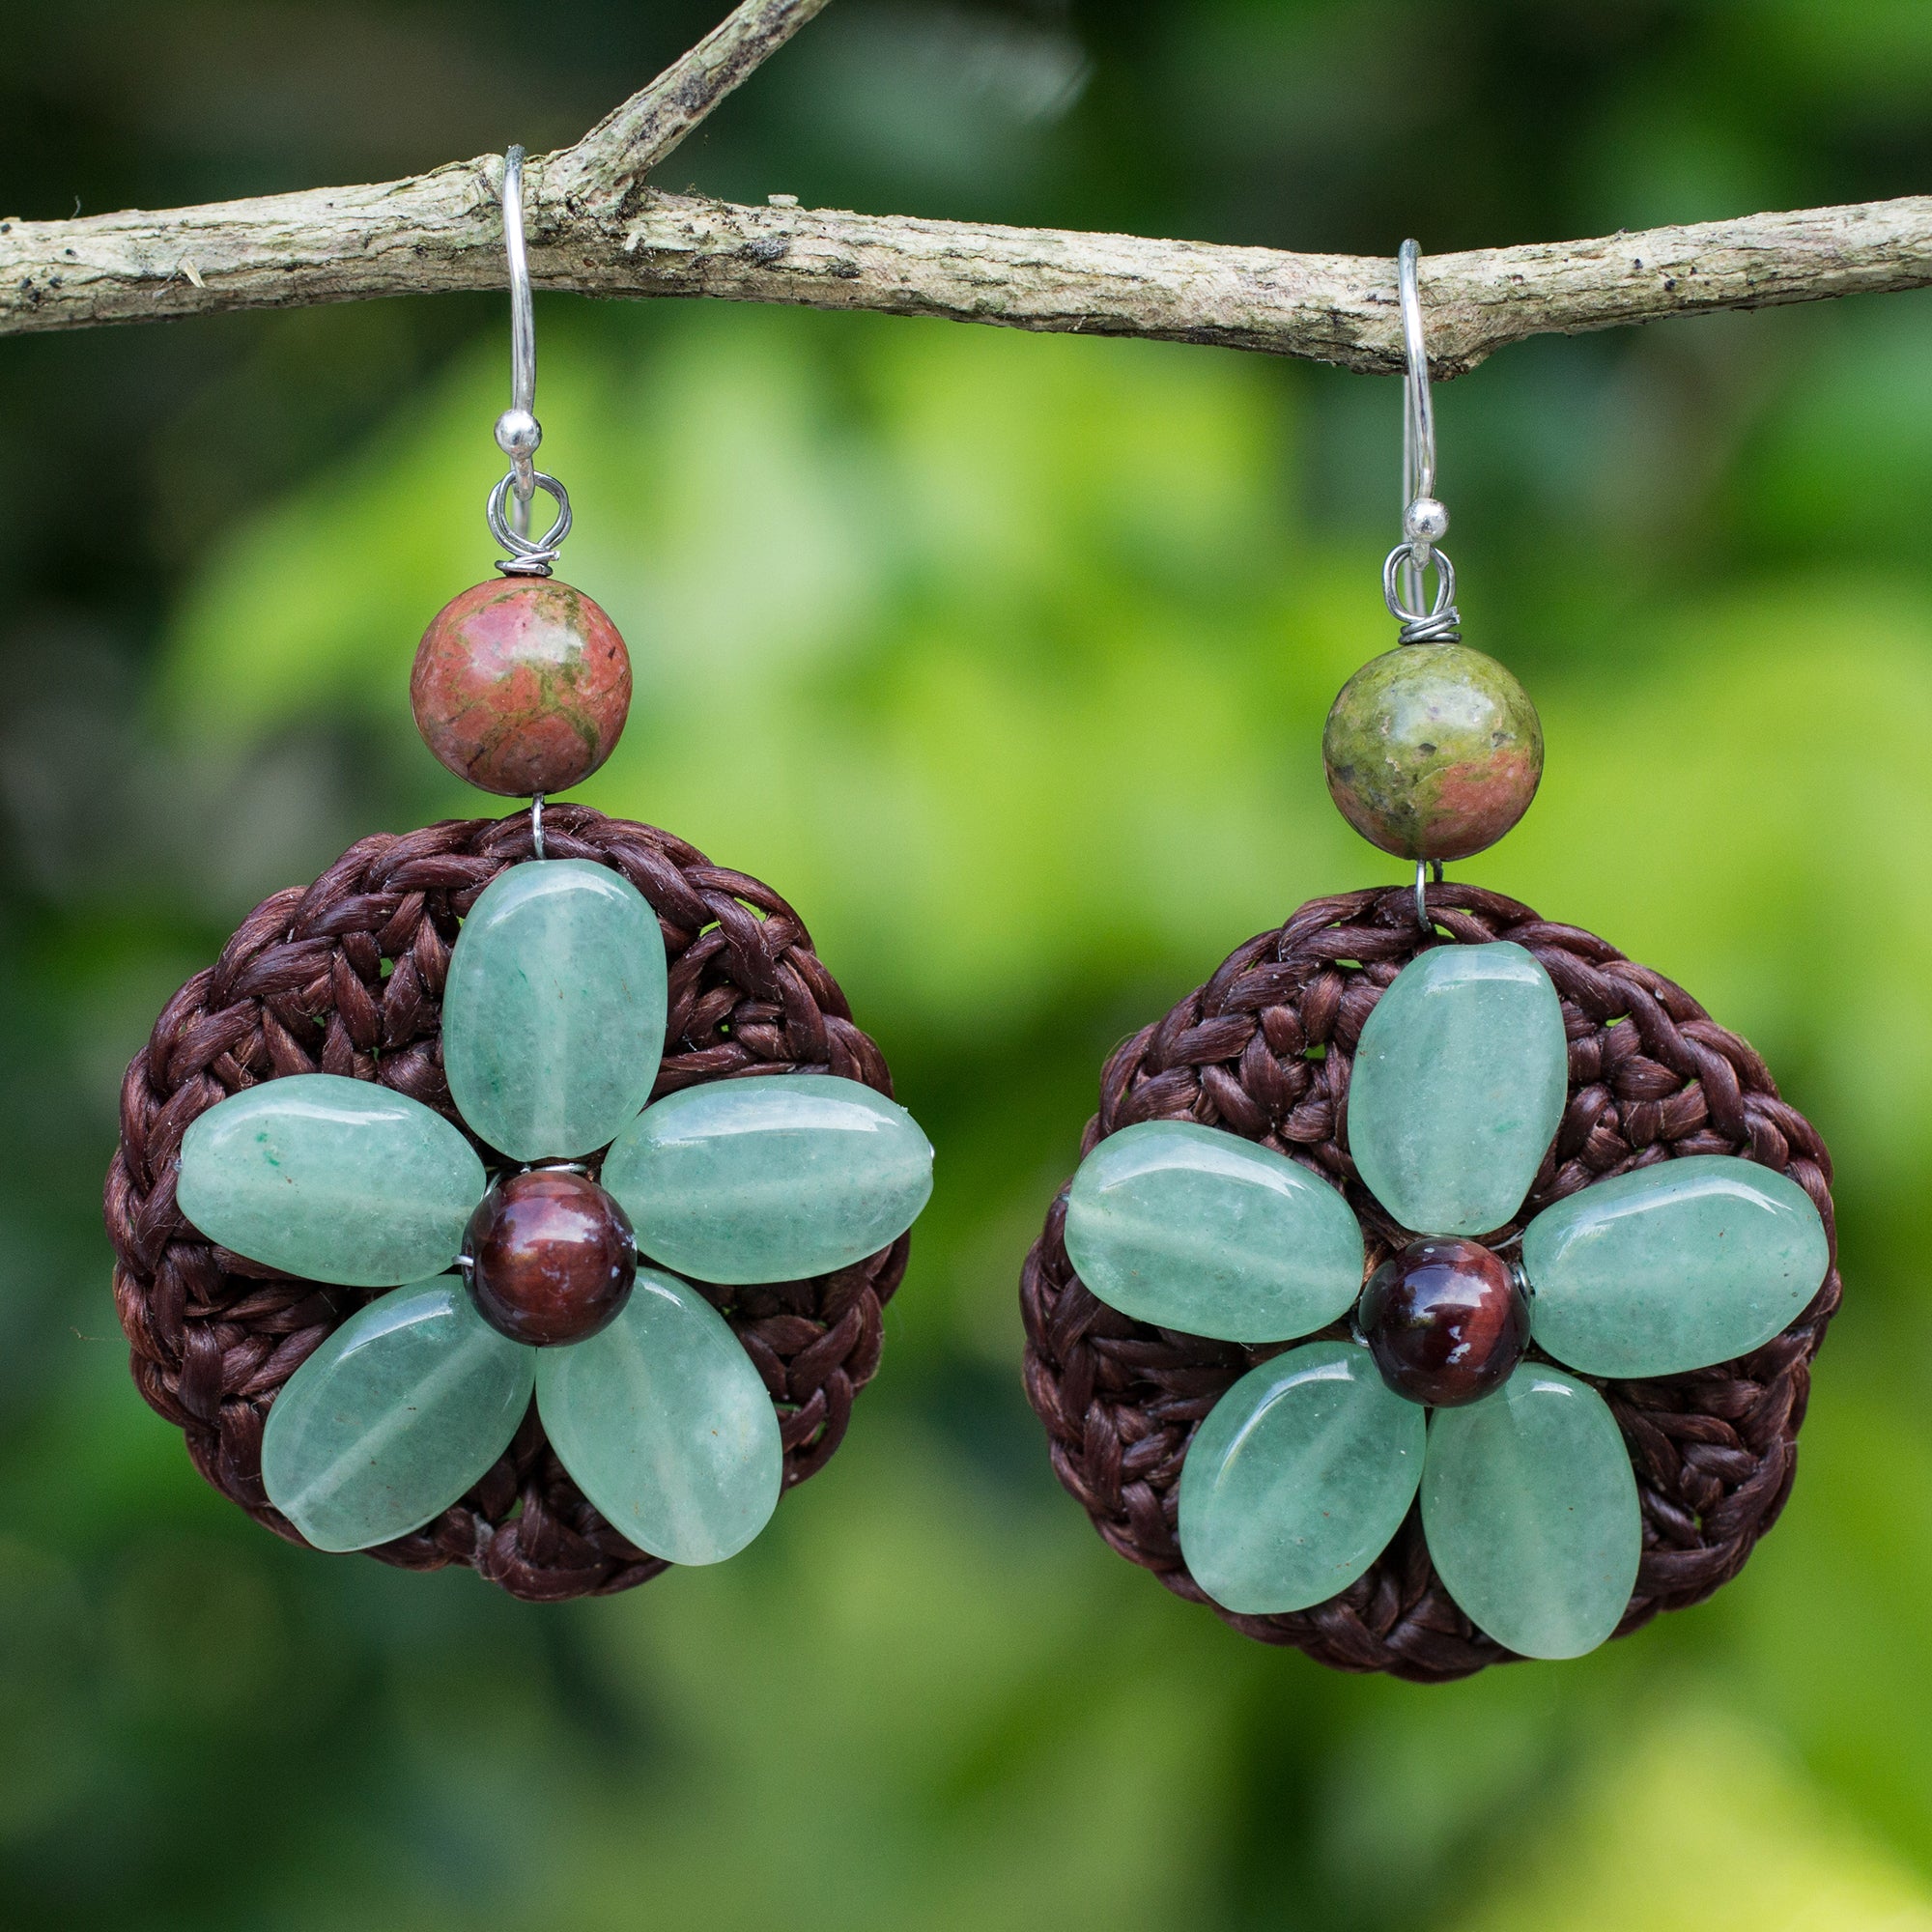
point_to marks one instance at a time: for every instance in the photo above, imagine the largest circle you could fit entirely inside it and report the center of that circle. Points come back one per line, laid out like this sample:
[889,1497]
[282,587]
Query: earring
[1437,1285]
[521,1193]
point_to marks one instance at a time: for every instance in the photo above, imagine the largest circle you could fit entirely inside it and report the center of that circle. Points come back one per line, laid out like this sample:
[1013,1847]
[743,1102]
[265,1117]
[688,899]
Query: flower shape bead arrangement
[567,1276]
[1454,1377]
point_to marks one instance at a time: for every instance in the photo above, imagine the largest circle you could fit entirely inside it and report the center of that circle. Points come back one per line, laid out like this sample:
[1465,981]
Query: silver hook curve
[517,431]
[523,321]
[522,346]
[1418,428]
[1424,519]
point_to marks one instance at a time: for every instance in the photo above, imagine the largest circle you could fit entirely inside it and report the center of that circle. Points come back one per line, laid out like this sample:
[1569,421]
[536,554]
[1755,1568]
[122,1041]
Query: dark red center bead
[552,1257]
[1446,1322]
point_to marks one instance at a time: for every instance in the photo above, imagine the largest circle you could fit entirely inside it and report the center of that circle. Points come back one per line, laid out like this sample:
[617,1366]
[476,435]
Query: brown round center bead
[1446,1322]
[552,1257]
[521,685]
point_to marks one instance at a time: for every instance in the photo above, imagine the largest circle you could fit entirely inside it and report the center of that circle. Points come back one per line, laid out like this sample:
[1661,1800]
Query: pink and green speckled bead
[521,685]
[1432,751]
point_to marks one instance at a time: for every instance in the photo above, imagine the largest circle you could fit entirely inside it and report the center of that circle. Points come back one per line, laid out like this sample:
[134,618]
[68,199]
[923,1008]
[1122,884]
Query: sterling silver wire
[1424,519]
[1424,867]
[517,431]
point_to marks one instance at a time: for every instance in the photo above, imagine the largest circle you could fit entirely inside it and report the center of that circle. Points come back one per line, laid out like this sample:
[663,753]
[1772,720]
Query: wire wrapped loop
[527,556]
[1441,623]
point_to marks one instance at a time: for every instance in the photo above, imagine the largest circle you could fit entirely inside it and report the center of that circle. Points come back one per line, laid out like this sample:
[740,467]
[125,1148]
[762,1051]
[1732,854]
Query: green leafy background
[1004,658]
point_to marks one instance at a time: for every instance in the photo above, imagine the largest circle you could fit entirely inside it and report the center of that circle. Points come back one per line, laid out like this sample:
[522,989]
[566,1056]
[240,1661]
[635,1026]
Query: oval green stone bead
[770,1178]
[333,1178]
[1531,1513]
[1673,1266]
[554,1013]
[1298,1479]
[394,1418]
[666,1426]
[1458,1087]
[1196,1228]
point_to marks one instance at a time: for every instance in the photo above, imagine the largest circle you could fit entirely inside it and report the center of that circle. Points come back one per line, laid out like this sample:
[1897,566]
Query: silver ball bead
[518,433]
[1425,522]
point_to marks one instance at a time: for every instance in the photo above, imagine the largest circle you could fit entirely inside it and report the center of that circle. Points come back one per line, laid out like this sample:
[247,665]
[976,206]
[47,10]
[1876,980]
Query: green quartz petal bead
[394,1418]
[770,1178]
[1531,1513]
[1458,1087]
[1196,1228]
[666,1426]
[333,1179]
[554,1013]
[1298,1479]
[1673,1266]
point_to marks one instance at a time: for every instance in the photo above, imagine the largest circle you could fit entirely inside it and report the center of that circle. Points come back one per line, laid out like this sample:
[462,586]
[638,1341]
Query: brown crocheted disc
[346,976]
[1264,1050]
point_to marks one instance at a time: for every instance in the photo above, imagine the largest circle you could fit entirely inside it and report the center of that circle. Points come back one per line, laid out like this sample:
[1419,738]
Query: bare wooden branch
[611,161]
[595,229]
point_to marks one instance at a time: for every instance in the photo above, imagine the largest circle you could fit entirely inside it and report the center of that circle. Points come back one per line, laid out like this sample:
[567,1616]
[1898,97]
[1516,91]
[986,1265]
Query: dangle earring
[1437,1286]
[521,1193]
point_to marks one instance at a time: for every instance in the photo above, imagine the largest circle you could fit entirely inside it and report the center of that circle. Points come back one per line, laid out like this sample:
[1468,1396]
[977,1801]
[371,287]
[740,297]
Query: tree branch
[611,161]
[595,229]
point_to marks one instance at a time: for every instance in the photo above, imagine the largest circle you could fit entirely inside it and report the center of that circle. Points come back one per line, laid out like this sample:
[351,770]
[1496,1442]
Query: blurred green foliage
[1004,658]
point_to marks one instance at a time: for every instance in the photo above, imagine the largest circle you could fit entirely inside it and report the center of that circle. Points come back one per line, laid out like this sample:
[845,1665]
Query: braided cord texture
[346,976]
[1264,1050]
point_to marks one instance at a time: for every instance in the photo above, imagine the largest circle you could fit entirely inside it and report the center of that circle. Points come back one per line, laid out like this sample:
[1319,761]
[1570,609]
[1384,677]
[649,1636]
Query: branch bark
[610,164]
[596,229]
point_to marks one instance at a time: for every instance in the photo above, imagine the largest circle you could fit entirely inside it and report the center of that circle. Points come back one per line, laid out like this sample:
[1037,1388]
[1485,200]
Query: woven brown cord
[346,976]
[1264,1050]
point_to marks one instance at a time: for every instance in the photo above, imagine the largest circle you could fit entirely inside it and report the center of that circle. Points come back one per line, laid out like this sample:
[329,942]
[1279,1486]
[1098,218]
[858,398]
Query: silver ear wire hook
[1425,523]
[1418,426]
[517,431]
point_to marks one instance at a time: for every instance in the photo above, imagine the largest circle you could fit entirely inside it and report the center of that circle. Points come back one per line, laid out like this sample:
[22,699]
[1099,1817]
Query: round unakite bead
[400,1410]
[333,1179]
[1531,1513]
[1196,1228]
[521,685]
[770,1178]
[554,1013]
[1298,1479]
[1458,1087]
[666,1426]
[1673,1266]
[1432,751]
